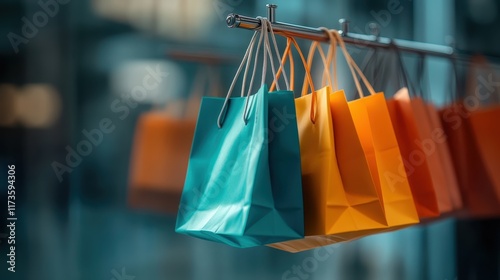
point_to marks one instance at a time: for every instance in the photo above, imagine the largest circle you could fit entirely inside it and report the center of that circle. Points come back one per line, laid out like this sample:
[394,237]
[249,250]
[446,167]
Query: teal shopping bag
[243,184]
[232,194]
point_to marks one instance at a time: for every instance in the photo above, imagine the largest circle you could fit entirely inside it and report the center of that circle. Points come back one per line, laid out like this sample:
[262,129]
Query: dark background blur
[88,55]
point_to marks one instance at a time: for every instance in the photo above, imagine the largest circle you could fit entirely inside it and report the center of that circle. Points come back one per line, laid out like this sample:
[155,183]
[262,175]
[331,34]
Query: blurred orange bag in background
[474,146]
[161,148]
[485,124]
[475,184]
[159,161]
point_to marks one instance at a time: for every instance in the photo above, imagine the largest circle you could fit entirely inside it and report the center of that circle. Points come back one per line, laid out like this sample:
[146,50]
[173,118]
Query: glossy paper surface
[230,195]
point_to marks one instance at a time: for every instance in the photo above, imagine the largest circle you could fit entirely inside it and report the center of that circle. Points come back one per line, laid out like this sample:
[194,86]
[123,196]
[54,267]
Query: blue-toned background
[86,57]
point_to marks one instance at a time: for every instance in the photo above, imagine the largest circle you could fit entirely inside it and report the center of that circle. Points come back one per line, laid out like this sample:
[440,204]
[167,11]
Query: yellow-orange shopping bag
[332,215]
[360,189]
[375,131]
[428,146]
[374,127]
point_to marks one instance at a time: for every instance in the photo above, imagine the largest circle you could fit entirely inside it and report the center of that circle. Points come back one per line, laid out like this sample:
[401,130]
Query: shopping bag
[373,125]
[326,209]
[467,130]
[360,189]
[444,156]
[159,161]
[483,118]
[333,213]
[161,148]
[484,123]
[374,128]
[475,184]
[429,147]
[230,195]
[415,164]
[418,145]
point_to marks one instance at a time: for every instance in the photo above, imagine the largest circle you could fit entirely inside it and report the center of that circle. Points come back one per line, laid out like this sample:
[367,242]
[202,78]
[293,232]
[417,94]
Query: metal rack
[374,41]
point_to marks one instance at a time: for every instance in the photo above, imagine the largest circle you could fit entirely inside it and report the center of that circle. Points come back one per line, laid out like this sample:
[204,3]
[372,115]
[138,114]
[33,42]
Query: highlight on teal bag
[243,184]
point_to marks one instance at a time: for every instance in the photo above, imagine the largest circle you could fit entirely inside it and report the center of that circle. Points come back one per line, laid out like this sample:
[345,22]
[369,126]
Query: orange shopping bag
[445,158]
[484,123]
[159,161]
[330,216]
[418,144]
[422,149]
[468,129]
[405,118]
[160,151]
[375,132]
[374,128]
[476,186]
[360,189]
[373,125]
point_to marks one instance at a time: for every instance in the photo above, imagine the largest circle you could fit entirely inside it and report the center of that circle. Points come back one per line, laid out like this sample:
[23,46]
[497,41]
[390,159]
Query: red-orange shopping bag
[484,123]
[445,158]
[405,118]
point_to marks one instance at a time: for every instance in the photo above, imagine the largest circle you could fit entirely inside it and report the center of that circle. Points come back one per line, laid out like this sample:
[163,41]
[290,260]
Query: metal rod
[204,57]
[271,12]
[287,29]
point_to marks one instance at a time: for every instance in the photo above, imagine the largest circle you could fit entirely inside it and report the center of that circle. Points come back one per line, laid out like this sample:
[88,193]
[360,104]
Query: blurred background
[70,67]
